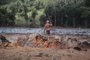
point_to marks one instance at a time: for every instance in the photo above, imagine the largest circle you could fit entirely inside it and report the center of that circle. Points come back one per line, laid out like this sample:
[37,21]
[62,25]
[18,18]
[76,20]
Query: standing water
[59,31]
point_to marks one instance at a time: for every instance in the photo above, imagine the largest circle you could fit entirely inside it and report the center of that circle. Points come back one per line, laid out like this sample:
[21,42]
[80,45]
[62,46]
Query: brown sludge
[40,41]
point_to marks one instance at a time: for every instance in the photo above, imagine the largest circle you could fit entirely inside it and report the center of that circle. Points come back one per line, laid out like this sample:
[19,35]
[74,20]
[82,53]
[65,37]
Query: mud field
[53,48]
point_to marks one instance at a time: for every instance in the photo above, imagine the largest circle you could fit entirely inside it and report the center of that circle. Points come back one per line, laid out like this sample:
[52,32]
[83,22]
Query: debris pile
[4,43]
[43,41]
[63,43]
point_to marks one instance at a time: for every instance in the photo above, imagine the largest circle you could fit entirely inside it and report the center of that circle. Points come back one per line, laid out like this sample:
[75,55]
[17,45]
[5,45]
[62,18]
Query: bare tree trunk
[55,21]
[66,23]
[61,21]
[85,22]
[73,22]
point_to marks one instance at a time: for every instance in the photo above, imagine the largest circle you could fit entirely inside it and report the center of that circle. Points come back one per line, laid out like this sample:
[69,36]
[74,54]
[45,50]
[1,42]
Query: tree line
[34,13]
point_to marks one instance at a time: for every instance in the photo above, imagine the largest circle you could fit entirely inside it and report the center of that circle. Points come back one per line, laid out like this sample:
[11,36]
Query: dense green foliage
[33,13]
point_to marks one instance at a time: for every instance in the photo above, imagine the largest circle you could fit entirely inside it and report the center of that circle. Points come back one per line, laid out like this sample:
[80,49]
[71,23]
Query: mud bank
[33,48]
[33,40]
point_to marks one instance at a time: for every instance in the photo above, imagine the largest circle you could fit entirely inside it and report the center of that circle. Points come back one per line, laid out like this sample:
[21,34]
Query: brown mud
[44,47]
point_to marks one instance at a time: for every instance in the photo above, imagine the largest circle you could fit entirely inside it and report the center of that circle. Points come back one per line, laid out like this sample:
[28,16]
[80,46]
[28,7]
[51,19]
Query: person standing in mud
[47,27]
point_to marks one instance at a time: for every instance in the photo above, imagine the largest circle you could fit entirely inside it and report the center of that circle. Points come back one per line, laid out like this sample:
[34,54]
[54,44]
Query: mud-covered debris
[64,43]
[86,44]
[44,41]
[4,41]
[22,40]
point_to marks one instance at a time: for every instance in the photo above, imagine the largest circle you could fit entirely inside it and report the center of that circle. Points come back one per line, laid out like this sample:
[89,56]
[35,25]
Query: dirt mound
[65,42]
[45,41]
